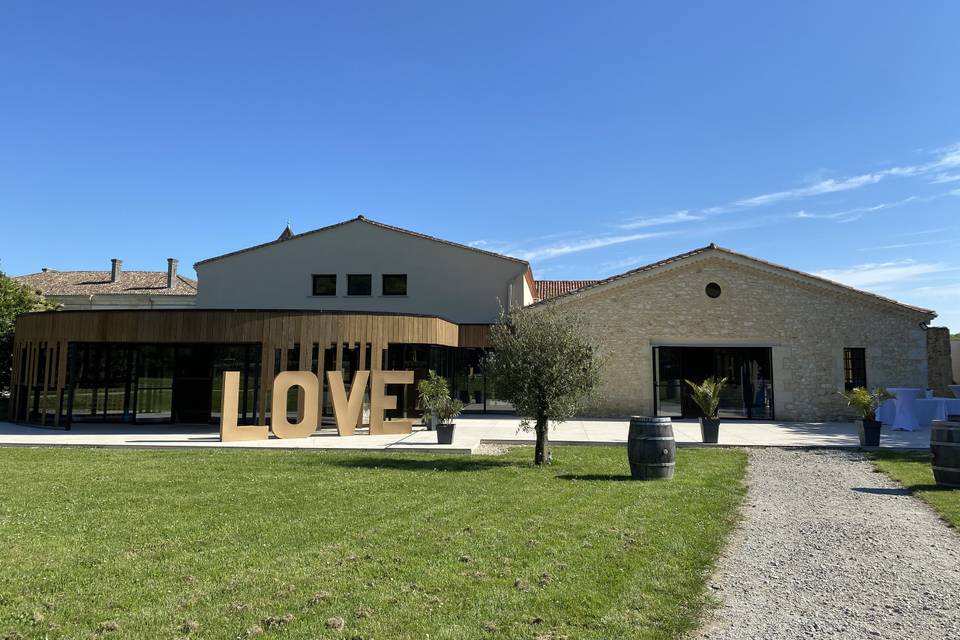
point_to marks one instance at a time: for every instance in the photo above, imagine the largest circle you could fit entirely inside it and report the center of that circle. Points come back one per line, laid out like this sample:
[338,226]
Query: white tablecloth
[927,410]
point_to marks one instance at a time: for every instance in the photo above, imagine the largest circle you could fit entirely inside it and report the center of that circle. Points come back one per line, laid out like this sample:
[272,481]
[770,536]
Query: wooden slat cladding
[207,325]
[272,329]
[474,335]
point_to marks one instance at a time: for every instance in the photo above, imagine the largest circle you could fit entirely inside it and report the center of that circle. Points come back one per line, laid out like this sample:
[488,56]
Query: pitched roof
[85,283]
[547,289]
[284,237]
[712,248]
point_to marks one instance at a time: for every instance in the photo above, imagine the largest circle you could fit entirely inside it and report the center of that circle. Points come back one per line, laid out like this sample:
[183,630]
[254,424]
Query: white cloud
[654,221]
[906,245]
[949,157]
[943,178]
[562,249]
[819,188]
[882,273]
[941,291]
[849,215]
[620,265]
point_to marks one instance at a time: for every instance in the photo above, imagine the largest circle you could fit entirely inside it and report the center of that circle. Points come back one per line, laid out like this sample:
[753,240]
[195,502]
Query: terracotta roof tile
[84,283]
[547,289]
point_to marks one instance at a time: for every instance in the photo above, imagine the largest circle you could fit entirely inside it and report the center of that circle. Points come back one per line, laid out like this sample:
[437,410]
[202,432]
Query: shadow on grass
[911,456]
[931,487]
[413,464]
[883,491]
[595,477]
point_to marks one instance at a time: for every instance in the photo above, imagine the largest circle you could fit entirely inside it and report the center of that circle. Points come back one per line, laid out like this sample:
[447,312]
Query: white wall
[452,282]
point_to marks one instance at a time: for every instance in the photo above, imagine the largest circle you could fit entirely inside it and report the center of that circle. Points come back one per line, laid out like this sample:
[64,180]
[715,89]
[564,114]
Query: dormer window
[359,284]
[325,284]
[394,284]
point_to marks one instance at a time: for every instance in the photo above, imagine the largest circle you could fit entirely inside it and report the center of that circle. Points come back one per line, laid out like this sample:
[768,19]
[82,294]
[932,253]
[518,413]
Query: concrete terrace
[470,434]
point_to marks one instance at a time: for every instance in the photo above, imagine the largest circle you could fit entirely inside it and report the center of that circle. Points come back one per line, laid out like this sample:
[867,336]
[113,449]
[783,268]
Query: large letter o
[311,390]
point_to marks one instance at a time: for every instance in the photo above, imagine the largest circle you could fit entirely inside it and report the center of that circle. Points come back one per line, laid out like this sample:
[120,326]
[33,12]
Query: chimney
[116,264]
[171,272]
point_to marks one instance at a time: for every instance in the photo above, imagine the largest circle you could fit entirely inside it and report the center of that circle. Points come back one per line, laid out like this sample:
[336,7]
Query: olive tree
[546,365]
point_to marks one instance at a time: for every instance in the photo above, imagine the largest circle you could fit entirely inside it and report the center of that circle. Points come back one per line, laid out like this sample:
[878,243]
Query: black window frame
[383,283]
[314,280]
[854,368]
[350,284]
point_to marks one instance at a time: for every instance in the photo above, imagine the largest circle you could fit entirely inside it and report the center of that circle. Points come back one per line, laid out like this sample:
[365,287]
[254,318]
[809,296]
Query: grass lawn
[235,544]
[912,470]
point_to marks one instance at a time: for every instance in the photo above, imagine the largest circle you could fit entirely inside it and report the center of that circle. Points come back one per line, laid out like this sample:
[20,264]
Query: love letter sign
[346,409]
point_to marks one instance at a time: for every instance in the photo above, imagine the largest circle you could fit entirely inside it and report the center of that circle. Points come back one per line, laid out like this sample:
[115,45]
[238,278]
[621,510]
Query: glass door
[747,394]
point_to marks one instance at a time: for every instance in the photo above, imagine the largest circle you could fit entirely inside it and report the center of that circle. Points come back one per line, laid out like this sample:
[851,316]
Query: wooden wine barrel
[651,448]
[945,450]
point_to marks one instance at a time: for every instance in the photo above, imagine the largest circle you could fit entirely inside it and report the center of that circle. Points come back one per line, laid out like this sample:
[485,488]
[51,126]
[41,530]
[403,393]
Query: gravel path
[830,549]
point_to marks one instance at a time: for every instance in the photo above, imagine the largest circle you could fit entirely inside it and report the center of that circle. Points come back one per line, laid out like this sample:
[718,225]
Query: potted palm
[439,409]
[866,403]
[446,412]
[706,395]
[432,390]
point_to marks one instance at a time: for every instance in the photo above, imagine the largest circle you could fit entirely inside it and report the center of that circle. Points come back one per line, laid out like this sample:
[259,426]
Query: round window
[713,290]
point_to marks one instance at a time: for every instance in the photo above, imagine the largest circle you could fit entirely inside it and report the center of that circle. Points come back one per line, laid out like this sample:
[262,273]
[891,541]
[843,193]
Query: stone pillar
[940,364]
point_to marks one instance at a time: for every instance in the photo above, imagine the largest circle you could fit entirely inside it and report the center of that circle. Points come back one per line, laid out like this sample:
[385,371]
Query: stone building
[786,341]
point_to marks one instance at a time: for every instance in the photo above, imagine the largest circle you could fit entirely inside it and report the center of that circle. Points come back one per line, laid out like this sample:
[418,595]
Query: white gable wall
[444,280]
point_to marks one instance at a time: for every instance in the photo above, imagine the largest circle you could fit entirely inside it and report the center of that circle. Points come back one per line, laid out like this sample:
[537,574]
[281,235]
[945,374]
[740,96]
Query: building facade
[358,295]
[365,266]
[787,342]
[361,295]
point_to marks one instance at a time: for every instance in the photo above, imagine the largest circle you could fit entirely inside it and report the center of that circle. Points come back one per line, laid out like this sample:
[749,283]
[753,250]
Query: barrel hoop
[937,443]
[935,467]
[655,464]
[652,438]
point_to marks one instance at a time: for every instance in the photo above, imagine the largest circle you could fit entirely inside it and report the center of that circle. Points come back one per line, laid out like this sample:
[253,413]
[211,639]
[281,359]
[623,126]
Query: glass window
[394,284]
[359,284]
[854,368]
[325,284]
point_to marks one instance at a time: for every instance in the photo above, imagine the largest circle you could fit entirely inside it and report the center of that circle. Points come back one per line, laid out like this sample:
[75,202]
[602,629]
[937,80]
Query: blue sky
[589,138]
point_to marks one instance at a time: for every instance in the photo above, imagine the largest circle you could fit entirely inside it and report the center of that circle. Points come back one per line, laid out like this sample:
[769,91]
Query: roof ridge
[828,281]
[363,218]
[425,236]
[714,247]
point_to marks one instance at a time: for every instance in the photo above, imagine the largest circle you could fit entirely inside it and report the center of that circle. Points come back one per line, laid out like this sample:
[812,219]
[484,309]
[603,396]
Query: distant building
[114,289]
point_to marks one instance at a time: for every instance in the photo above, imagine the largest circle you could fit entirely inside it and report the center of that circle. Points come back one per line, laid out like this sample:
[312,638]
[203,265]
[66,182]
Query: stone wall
[806,325]
[940,364]
[955,356]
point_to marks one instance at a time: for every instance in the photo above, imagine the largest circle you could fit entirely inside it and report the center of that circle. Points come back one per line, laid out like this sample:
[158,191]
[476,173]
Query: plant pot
[432,424]
[869,432]
[445,433]
[710,430]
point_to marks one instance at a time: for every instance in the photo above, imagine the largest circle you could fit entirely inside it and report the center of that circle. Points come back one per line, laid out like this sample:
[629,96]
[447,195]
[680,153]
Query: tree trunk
[542,453]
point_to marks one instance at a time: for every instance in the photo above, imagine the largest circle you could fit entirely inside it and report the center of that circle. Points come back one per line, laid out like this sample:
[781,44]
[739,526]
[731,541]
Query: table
[905,400]
[926,410]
